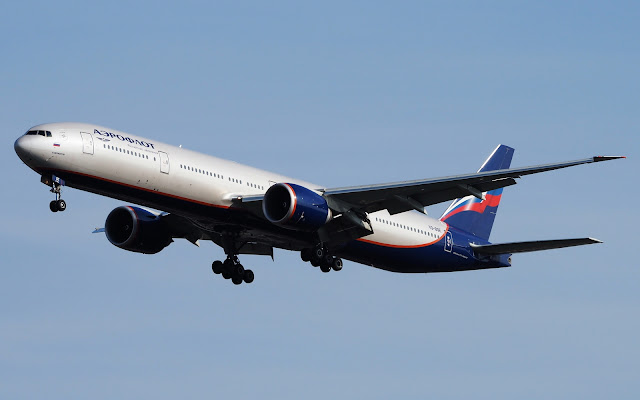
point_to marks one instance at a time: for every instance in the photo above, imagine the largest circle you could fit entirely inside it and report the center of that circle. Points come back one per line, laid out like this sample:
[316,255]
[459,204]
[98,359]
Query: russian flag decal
[56,145]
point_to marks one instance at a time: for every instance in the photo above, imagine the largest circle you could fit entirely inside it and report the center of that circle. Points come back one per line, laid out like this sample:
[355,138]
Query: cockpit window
[41,133]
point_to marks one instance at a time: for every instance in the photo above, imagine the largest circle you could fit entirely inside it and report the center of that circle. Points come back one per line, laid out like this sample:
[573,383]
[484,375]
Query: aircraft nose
[22,147]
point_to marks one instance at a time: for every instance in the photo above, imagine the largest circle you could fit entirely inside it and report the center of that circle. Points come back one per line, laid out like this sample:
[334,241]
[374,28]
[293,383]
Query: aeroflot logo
[123,138]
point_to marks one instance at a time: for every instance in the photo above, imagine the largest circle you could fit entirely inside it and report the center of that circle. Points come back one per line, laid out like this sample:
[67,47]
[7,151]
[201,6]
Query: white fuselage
[146,165]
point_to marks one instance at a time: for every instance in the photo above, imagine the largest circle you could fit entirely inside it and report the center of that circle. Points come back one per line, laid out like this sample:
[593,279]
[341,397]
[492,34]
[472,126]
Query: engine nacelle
[295,207]
[138,230]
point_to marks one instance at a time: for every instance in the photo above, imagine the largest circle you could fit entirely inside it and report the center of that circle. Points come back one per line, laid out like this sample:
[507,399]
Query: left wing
[525,247]
[404,196]
[353,203]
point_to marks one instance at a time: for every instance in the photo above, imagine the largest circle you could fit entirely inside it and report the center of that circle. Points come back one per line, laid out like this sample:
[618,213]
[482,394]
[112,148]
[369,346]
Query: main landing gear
[319,256]
[232,269]
[58,204]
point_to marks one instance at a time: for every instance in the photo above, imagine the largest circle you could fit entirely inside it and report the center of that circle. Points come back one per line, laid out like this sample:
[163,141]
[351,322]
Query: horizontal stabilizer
[536,245]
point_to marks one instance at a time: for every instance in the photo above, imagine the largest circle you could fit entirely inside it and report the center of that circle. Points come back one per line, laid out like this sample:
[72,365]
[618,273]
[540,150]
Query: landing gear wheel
[337,264]
[216,267]
[319,253]
[248,276]
[328,260]
[61,204]
[53,206]
[325,268]
[305,254]
[238,270]
[236,280]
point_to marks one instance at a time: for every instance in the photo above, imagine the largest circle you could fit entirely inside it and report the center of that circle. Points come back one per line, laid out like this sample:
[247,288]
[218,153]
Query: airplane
[246,210]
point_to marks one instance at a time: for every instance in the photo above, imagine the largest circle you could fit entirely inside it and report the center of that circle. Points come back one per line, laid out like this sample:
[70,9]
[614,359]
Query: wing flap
[535,245]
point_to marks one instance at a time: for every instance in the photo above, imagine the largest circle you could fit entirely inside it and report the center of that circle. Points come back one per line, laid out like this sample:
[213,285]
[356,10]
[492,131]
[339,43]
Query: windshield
[41,133]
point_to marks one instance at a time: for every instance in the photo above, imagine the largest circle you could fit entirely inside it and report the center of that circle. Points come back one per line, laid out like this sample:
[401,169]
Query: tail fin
[472,214]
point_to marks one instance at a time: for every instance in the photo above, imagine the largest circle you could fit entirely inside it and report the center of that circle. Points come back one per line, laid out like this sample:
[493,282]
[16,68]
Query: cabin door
[164,162]
[87,143]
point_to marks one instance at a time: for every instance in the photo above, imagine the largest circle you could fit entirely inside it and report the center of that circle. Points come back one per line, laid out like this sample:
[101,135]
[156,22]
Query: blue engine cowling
[295,207]
[138,230]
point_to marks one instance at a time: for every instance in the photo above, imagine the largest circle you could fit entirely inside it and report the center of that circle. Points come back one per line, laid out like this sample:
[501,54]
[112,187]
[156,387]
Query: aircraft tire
[53,206]
[61,204]
[328,260]
[305,254]
[325,268]
[337,264]
[236,280]
[318,253]
[248,276]
[216,267]
[238,270]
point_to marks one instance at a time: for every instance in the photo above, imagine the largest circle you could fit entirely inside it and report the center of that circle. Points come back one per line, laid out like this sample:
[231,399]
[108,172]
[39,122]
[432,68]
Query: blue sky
[339,93]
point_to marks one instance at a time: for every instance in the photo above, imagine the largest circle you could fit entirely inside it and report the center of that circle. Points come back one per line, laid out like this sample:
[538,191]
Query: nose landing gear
[56,187]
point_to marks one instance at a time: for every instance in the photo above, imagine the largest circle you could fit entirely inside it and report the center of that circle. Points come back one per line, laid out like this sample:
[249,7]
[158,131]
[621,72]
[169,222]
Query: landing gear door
[164,162]
[448,242]
[87,143]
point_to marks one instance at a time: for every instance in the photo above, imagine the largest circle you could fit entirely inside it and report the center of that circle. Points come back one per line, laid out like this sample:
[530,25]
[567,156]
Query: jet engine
[295,207]
[137,230]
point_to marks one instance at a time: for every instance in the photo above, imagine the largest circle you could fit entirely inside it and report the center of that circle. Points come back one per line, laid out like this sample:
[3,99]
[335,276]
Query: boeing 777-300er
[251,211]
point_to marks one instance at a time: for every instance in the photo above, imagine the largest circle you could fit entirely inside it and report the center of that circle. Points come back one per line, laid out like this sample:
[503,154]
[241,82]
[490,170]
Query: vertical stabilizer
[472,214]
